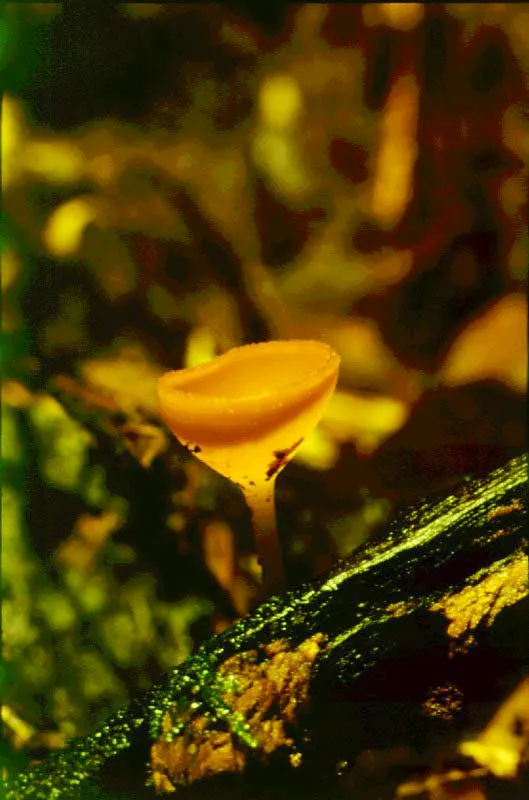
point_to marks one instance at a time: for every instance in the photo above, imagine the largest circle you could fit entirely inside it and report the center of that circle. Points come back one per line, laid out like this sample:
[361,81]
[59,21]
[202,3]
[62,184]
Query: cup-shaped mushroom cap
[246,412]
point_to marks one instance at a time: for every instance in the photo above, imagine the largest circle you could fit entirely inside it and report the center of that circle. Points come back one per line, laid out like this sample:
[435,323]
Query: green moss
[62,443]
[57,609]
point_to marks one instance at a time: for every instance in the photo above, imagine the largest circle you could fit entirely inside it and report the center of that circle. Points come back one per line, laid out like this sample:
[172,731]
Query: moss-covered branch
[390,648]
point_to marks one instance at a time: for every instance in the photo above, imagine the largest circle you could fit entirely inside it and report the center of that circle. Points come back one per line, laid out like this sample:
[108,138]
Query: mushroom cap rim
[167,381]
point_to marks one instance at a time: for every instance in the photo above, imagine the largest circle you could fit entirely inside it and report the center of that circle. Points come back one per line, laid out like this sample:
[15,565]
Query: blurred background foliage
[181,179]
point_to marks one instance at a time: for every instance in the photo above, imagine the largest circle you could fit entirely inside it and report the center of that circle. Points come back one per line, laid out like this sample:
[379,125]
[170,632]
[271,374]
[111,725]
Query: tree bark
[358,682]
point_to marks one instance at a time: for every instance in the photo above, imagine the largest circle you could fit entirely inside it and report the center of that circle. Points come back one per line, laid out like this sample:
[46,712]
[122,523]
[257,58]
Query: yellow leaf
[367,421]
[493,346]
[64,229]
[280,101]
[200,347]
[396,156]
[56,161]
[502,744]
[128,376]
[318,450]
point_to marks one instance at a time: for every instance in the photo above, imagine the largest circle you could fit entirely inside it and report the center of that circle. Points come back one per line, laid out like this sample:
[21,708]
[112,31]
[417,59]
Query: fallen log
[357,681]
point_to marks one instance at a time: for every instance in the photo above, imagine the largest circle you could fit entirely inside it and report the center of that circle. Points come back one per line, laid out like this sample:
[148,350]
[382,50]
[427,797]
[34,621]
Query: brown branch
[356,684]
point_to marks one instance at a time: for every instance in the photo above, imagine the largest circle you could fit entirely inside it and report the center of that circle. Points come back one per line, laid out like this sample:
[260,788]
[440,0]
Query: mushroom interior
[254,371]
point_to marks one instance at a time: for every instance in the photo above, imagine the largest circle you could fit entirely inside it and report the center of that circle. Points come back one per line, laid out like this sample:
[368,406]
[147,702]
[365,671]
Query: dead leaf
[504,744]
[89,536]
[128,376]
[145,442]
[393,184]
[493,346]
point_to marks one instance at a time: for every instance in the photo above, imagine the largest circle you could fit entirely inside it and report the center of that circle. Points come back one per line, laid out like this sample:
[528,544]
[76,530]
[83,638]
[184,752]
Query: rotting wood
[380,669]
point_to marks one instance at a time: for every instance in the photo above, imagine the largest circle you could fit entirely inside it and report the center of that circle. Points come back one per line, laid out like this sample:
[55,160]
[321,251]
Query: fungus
[244,414]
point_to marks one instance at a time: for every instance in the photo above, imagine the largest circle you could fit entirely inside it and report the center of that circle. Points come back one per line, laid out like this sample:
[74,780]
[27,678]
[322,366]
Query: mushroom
[244,414]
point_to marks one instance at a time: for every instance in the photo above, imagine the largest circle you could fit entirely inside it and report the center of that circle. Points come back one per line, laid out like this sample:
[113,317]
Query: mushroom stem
[262,507]
[245,414]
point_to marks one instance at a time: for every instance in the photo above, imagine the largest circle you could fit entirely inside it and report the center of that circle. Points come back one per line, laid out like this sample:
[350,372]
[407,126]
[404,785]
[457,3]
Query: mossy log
[355,683]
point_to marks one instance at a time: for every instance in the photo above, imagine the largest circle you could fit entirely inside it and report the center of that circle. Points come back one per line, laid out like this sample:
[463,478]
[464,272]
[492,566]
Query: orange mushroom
[245,414]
